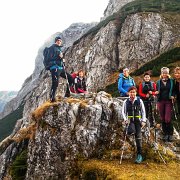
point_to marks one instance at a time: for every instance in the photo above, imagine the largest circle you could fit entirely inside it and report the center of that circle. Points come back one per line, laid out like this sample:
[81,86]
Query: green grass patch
[8,122]
[19,167]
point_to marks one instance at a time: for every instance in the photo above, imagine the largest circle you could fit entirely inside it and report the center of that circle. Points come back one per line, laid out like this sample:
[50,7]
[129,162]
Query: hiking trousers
[165,110]
[55,74]
[135,128]
[149,112]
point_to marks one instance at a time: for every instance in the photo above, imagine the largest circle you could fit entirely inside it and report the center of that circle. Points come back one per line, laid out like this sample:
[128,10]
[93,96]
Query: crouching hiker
[134,115]
[80,83]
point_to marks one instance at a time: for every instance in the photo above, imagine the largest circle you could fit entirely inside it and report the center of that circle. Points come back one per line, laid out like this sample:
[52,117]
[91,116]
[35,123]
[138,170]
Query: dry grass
[83,102]
[129,170]
[39,112]
[25,133]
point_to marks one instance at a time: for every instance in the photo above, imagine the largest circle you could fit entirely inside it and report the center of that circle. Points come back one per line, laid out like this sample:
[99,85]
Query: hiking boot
[139,159]
[52,100]
[170,138]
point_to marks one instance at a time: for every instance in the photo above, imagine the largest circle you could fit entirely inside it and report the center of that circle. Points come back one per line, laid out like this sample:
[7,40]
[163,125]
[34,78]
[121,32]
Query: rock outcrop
[113,6]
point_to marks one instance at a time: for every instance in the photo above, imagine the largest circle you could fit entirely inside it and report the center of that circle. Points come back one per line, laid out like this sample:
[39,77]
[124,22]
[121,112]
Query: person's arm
[141,91]
[143,112]
[120,88]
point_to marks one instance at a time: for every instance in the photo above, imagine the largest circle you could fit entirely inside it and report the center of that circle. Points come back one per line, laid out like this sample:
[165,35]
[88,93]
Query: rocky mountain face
[70,128]
[6,96]
[63,133]
[69,35]
[114,6]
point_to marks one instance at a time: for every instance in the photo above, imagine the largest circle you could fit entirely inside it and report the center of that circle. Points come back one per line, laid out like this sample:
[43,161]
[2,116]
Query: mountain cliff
[6,96]
[59,133]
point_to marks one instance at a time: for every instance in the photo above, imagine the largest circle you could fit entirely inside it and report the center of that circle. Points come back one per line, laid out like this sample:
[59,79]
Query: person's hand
[157,92]
[61,55]
[64,60]
[147,95]
[150,92]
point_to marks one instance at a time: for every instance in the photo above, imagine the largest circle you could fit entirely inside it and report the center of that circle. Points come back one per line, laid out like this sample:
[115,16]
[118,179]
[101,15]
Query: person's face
[59,42]
[126,73]
[81,74]
[132,94]
[165,75]
[147,78]
[177,74]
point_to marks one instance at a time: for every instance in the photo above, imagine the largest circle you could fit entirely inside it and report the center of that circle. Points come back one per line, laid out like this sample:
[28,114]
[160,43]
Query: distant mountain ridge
[6,96]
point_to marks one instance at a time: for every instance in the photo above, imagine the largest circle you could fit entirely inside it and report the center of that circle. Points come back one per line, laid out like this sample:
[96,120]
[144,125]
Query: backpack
[47,58]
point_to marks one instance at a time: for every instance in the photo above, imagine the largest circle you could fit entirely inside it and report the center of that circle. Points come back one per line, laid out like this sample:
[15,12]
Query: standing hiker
[80,83]
[134,115]
[125,82]
[165,96]
[147,91]
[177,87]
[56,67]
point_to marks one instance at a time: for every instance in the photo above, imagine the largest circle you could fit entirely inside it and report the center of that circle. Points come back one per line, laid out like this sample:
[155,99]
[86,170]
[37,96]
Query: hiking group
[54,61]
[136,110]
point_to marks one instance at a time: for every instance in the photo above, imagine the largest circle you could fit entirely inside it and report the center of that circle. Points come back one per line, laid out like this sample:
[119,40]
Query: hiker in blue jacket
[125,82]
[57,68]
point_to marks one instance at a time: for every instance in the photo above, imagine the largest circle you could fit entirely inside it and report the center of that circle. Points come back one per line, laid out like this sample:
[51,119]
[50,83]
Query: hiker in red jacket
[147,92]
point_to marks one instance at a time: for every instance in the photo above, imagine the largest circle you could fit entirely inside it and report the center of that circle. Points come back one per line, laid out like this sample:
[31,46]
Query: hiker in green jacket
[165,91]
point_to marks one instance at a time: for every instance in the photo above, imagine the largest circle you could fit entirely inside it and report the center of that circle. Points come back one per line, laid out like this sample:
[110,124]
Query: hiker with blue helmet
[125,82]
[165,95]
[134,115]
[147,92]
[56,68]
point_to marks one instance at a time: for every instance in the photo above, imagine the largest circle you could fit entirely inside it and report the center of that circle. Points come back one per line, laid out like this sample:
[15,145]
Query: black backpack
[47,58]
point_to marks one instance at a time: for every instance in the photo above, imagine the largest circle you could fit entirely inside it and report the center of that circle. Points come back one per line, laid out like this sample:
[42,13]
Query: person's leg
[161,108]
[138,138]
[70,80]
[54,85]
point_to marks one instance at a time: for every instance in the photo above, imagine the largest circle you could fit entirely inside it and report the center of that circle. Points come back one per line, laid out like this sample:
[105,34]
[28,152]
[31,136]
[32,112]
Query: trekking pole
[124,143]
[157,148]
[175,115]
[174,109]
[66,77]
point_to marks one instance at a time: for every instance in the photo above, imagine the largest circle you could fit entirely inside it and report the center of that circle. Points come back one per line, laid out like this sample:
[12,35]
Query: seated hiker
[125,82]
[80,83]
[147,91]
[55,64]
[134,115]
[177,88]
[165,94]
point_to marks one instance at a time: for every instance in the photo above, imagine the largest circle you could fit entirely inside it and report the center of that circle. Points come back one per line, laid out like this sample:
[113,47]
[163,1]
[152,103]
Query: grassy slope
[7,123]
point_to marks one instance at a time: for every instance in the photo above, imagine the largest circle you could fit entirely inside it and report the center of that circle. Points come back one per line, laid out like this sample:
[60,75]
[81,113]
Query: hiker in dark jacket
[134,115]
[165,91]
[125,82]
[80,83]
[57,68]
[147,92]
[177,87]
